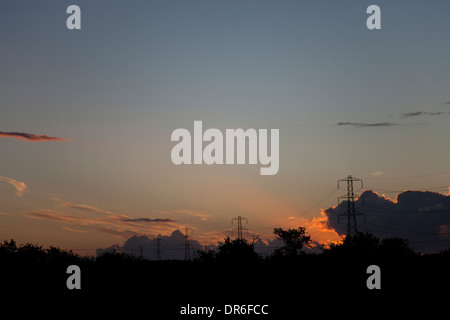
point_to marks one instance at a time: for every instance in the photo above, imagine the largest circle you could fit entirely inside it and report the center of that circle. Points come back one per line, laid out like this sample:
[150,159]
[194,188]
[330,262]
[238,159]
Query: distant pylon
[158,248]
[239,226]
[352,227]
[187,251]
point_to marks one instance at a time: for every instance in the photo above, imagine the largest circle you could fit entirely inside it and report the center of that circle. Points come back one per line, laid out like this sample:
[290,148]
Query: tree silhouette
[395,247]
[237,249]
[8,248]
[207,254]
[294,240]
[364,244]
[358,244]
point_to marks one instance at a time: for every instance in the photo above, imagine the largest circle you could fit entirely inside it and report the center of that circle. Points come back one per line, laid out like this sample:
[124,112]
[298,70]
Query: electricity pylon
[239,226]
[352,226]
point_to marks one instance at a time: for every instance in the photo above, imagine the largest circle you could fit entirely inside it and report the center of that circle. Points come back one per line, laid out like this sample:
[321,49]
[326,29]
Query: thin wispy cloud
[29,136]
[377,173]
[93,218]
[64,217]
[404,115]
[147,220]
[84,207]
[366,124]
[19,185]
[187,212]
[420,113]
[195,213]
[73,230]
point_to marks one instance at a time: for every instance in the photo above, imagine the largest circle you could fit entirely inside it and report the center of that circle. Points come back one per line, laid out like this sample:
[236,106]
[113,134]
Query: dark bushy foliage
[366,244]
[237,249]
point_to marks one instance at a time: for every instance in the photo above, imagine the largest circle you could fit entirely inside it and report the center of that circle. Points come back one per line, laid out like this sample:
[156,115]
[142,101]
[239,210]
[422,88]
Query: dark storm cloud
[365,124]
[421,217]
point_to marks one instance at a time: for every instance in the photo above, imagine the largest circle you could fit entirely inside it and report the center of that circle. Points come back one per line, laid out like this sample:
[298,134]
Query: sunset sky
[86,115]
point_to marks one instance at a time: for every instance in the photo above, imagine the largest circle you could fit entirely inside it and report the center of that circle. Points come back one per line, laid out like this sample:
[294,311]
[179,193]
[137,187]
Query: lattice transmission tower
[352,226]
[240,228]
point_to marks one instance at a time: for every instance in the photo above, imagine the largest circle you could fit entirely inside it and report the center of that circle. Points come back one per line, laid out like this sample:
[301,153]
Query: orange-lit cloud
[195,213]
[148,220]
[322,233]
[73,230]
[66,218]
[97,219]
[19,185]
[29,136]
[189,212]
[377,173]
[84,207]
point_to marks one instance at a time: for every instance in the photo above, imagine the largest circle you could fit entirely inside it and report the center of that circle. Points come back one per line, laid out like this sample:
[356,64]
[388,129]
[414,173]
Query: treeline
[231,273]
[11,252]
[295,241]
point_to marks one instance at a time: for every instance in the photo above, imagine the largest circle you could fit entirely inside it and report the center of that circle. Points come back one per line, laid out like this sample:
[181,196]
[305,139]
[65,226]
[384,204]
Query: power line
[328,195]
[352,212]
[420,233]
[409,177]
[410,189]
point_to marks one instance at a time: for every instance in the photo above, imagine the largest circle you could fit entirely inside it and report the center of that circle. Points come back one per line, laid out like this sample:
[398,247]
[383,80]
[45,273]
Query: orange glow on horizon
[321,232]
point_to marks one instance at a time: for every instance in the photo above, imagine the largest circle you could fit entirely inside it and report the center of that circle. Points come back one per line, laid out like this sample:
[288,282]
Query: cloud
[147,220]
[420,113]
[389,124]
[19,185]
[377,173]
[421,217]
[194,213]
[64,217]
[364,124]
[97,219]
[73,230]
[29,136]
[84,207]
[121,217]
[172,247]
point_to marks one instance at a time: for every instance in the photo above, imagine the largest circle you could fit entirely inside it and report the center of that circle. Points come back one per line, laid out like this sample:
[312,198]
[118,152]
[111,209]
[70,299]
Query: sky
[86,115]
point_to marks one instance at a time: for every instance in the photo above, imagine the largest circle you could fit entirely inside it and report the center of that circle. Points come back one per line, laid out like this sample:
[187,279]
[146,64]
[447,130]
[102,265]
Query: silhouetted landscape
[232,273]
[160,158]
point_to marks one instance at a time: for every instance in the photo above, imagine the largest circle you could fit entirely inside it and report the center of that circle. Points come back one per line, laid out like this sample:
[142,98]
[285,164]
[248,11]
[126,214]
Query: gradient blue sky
[137,70]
